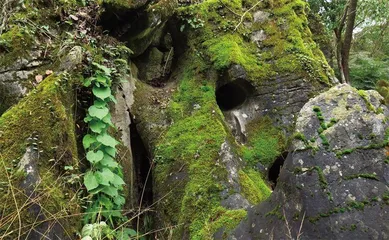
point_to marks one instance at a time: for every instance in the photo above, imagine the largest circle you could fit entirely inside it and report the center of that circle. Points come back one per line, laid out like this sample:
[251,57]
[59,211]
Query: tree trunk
[348,36]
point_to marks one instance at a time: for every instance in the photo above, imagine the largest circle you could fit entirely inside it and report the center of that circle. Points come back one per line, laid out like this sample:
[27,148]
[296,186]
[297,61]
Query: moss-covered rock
[199,177]
[44,119]
[336,171]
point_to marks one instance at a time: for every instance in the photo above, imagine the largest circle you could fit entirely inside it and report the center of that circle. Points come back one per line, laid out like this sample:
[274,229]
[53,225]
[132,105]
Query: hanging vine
[104,179]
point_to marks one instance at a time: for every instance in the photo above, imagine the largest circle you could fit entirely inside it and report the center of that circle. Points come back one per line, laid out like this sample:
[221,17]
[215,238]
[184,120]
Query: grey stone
[29,165]
[334,190]
[261,16]
[72,59]
[258,36]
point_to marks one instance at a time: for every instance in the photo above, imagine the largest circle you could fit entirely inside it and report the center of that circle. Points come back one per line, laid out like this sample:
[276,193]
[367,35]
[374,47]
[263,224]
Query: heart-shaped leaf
[117,180]
[99,103]
[110,191]
[90,181]
[101,92]
[111,151]
[88,140]
[94,157]
[108,161]
[107,140]
[97,126]
[99,113]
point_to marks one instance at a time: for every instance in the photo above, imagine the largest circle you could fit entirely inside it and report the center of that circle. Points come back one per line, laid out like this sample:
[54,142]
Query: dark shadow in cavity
[274,170]
[142,165]
[233,94]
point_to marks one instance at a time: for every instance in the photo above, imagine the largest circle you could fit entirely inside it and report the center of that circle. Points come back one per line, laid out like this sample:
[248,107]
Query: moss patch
[264,144]
[221,219]
[253,186]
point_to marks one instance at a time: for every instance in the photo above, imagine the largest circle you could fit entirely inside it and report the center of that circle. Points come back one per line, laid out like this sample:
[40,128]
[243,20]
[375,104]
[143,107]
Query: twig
[167,61]
[244,14]
[289,235]
[14,199]
[301,227]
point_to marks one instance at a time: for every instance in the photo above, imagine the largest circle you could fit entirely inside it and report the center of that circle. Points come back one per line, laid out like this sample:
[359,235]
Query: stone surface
[121,118]
[72,59]
[335,179]
[28,165]
[15,77]
[281,99]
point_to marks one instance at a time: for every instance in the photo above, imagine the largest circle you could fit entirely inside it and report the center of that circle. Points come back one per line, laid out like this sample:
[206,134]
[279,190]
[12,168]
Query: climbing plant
[104,180]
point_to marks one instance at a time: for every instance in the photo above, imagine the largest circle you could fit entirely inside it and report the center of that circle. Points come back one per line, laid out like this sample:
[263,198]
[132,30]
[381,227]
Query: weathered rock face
[15,78]
[233,95]
[334,183]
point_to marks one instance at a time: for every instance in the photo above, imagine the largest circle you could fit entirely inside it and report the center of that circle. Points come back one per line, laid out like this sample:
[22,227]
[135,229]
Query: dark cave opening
[123,23]
[142,165]
[230,96]
[275,169]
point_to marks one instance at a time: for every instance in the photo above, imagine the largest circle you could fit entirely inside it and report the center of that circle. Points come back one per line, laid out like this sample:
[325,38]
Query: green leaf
[108,161]
[107,140]
[119,201]
[88,118]
[88,81]
[94,157]
[99,103]
[113,99]
[110,191]
[88,140]
[105,201]
[99,113]
[102,79]
[97,126]
[107,174]
[90,181]
[101,179]
[102,92]
[107,120]
[106,70]
[111,151]
[117,180]
[87,230]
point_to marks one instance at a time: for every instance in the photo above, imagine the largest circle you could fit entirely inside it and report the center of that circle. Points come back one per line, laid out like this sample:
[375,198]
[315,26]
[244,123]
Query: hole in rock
[141,160]
[123,23]
[233,94]
[274,170]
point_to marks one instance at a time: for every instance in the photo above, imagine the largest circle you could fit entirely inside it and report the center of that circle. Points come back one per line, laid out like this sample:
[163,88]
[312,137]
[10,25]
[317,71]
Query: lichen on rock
[334,181]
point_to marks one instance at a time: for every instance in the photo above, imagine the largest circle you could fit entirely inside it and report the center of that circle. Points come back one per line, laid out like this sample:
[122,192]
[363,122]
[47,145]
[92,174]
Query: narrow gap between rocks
[275,169]
[141,160]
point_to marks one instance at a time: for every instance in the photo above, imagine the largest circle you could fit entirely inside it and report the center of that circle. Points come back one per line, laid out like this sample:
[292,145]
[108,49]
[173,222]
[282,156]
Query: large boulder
[334,184]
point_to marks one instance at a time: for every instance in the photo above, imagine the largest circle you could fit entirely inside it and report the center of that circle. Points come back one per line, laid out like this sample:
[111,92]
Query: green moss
[191,144]
[264,143]
[289,44]
[365,97]
[276,211]
[221,218]
[15,43]
[371,176]
[47,113]
[254,188]
[230,49]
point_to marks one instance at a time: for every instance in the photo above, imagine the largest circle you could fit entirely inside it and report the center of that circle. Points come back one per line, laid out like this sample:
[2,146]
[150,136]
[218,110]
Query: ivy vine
[104,180]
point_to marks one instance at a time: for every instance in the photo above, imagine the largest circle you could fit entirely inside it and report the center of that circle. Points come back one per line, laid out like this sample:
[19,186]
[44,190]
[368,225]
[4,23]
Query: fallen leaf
[38,78]
[75,18]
